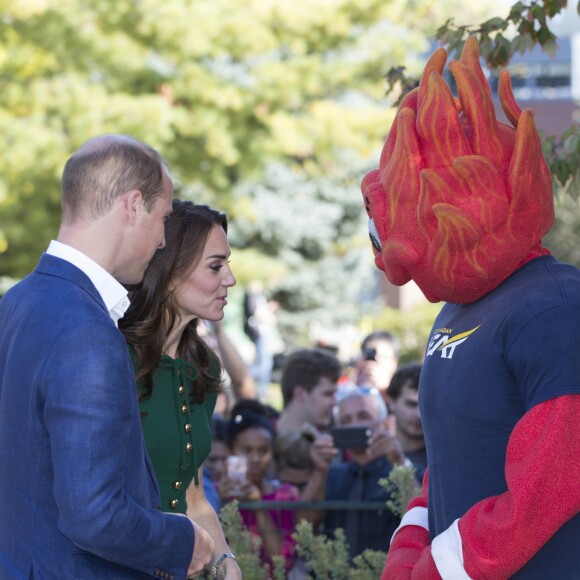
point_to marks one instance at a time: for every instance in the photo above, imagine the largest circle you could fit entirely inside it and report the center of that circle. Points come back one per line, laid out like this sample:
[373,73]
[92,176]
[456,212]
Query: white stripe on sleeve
[417,516]
[447,551]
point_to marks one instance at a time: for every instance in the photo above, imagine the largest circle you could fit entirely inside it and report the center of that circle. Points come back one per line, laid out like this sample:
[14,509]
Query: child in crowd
[250,435]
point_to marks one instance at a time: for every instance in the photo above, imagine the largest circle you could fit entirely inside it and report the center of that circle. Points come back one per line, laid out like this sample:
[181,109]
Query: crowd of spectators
[289,452]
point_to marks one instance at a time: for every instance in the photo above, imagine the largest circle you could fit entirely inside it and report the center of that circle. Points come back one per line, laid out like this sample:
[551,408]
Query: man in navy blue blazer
[78,497]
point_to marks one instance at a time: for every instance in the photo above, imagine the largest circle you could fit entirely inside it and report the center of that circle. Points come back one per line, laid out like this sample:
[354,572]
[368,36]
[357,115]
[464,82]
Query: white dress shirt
[113,293]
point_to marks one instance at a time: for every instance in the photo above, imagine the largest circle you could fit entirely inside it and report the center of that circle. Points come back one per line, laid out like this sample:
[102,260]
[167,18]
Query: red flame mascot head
[460,200]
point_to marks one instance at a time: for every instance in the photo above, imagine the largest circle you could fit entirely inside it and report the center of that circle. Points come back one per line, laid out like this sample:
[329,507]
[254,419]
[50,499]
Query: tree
[526,25]
[263,108]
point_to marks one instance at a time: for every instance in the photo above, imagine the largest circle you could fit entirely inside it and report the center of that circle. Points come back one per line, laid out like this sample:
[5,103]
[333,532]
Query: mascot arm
[500,534]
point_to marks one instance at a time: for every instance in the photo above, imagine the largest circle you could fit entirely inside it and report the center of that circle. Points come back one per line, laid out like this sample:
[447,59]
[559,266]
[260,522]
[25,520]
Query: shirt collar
[113,293]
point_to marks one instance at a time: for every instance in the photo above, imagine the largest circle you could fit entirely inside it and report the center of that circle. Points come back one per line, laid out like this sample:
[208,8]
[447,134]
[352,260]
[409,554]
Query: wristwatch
[214,568]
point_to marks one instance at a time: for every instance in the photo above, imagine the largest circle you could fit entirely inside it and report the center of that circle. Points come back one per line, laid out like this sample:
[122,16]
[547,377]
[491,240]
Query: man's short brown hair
[103,169]
[405,376]
[305,368]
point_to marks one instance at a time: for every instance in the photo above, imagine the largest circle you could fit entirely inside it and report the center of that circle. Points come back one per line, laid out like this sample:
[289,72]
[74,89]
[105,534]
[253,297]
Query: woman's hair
[154,311]
[248,414]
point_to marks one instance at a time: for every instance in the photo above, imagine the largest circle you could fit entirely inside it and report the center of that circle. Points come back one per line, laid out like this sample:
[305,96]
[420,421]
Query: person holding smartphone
[364,428]
[250,437]
[376,362]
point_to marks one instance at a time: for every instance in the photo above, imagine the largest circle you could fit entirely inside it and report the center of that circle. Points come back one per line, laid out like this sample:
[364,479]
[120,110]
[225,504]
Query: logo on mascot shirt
[442,342]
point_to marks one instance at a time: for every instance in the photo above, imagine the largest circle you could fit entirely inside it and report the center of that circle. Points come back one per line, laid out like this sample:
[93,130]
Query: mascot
[459,204]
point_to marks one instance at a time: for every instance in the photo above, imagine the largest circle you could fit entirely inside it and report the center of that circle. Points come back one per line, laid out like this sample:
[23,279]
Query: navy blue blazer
[78,496]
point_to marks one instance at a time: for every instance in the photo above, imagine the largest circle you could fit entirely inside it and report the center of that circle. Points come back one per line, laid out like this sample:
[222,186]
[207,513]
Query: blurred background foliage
[271,110]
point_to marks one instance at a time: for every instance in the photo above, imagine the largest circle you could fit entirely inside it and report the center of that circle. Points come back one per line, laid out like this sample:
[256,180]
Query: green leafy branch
[402,486]
[528,20]
[247,547]
[526,26]
[563,157]
[327,559]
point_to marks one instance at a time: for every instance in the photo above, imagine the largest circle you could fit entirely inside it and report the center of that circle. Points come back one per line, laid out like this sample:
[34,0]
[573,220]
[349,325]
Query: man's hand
[202,551]
[322,452]
[384,443]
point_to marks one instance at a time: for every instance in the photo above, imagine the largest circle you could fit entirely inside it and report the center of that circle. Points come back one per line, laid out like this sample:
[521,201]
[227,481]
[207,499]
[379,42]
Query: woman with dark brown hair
[178,375]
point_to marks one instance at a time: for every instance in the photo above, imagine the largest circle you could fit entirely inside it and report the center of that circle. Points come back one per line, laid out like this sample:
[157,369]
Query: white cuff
[417,516]
[447,551]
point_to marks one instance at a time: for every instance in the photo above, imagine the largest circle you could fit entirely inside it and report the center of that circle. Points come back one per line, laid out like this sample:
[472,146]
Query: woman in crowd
[178,375]
[250,434]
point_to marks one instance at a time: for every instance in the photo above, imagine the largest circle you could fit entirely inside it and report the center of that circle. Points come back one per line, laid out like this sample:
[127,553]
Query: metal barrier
[346,505]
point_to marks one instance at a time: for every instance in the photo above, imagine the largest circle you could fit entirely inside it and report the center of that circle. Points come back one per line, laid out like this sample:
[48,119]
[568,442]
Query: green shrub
[247,547]
[325,558]
[402,486]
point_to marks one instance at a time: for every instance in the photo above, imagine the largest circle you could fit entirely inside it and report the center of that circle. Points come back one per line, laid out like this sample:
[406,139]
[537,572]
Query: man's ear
[132,204]
[299,393]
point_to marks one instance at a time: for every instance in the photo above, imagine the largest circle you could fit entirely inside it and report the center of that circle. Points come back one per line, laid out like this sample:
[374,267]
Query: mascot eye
[374,236]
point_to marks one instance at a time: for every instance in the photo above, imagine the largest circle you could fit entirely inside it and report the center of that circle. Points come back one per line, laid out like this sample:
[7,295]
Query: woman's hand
[228,488]
[230,570]
[250,492]
[234,489]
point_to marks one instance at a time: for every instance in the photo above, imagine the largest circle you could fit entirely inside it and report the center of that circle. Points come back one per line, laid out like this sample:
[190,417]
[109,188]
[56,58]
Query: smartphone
[236,470]
[351,437]
[370,354]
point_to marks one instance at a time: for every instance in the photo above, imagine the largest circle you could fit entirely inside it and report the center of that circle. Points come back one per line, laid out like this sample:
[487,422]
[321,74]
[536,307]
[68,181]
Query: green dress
[177,432]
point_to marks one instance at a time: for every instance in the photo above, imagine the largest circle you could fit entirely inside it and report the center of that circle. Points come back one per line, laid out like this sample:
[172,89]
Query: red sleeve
[500,534]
